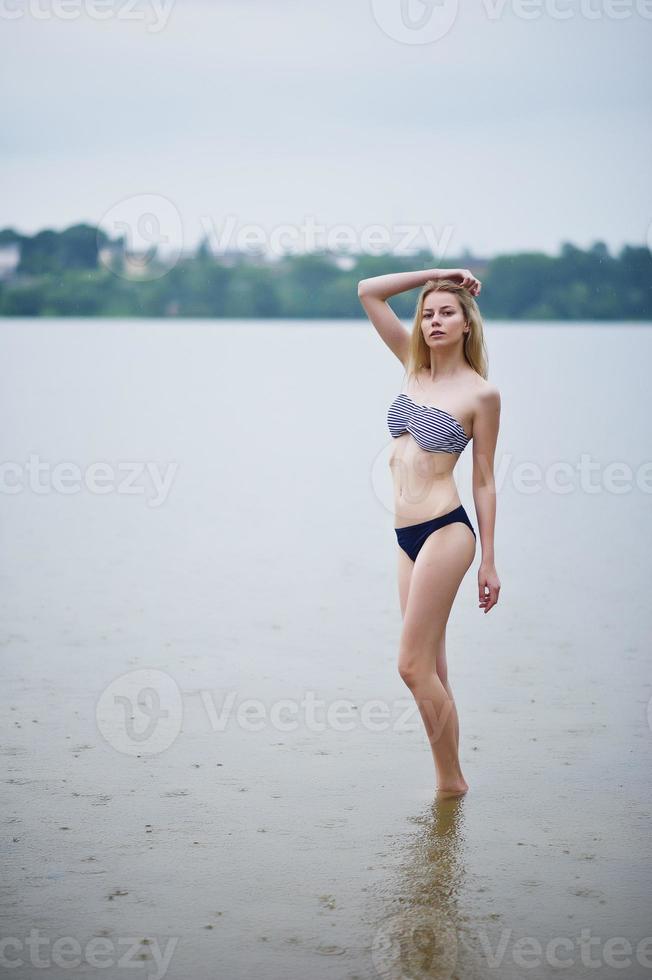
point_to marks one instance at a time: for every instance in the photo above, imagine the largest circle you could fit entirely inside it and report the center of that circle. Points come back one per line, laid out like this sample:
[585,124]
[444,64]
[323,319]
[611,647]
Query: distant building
[345,262]
[110,256]
[137,265]
[9,259]
[131,265]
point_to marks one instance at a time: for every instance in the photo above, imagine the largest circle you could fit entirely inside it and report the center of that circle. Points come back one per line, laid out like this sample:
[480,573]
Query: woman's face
[443,319]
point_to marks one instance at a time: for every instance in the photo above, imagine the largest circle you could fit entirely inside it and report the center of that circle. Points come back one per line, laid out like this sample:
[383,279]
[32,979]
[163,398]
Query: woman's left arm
[485,435]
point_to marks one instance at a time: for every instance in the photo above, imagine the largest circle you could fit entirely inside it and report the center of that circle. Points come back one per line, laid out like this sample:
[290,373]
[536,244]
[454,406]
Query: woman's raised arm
[381,287]
[373,294]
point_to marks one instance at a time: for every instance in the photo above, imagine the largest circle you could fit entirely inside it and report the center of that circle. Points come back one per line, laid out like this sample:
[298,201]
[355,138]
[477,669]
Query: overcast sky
[504,132]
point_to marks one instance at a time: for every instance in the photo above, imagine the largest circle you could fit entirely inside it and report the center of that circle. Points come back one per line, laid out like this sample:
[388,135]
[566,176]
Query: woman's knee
[412,677]
[415,664]
[408,671]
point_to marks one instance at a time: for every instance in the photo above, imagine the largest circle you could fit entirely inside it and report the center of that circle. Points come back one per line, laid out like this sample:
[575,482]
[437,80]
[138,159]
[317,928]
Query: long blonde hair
[475,350]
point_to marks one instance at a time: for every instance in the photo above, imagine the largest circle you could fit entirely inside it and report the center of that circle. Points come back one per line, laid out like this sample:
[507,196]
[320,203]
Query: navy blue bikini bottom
[412,537]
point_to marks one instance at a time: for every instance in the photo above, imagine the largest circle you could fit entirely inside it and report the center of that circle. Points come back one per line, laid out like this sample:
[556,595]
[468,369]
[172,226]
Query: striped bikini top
[433,429]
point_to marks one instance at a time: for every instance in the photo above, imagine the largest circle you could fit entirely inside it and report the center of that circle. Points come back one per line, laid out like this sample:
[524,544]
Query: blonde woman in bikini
[446,401]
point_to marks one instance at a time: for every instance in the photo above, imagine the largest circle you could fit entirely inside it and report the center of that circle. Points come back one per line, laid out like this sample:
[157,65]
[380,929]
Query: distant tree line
[80,272]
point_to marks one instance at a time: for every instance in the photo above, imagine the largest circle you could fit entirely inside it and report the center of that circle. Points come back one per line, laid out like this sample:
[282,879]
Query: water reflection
[423,934]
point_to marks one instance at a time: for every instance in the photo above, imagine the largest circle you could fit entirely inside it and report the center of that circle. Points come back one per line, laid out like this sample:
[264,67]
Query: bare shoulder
[487,395]
[486,410]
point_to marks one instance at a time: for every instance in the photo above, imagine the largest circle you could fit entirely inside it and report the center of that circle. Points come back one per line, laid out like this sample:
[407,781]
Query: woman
[447,402]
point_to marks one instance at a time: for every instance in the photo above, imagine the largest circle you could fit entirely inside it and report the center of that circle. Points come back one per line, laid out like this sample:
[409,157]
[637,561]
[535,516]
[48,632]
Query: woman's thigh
[432,585]
[404,569]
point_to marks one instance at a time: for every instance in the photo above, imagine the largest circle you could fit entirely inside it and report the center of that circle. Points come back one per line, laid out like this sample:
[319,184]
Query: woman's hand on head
[465,278]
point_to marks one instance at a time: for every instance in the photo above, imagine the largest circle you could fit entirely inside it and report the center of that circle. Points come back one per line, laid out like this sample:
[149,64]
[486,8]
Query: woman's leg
[442,674]
[445,557]
[405,566]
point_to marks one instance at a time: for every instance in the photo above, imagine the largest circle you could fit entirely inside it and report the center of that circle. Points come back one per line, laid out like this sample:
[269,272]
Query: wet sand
[277,853]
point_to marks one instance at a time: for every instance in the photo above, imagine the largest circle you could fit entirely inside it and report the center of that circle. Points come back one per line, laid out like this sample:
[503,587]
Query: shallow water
[297,836]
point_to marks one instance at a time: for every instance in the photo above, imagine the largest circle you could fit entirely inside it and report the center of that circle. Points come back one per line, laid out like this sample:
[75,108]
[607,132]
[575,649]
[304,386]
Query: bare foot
[457,787]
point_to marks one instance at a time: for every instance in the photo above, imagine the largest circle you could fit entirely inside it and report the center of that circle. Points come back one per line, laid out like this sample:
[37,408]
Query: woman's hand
[488,586]
[464,278]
